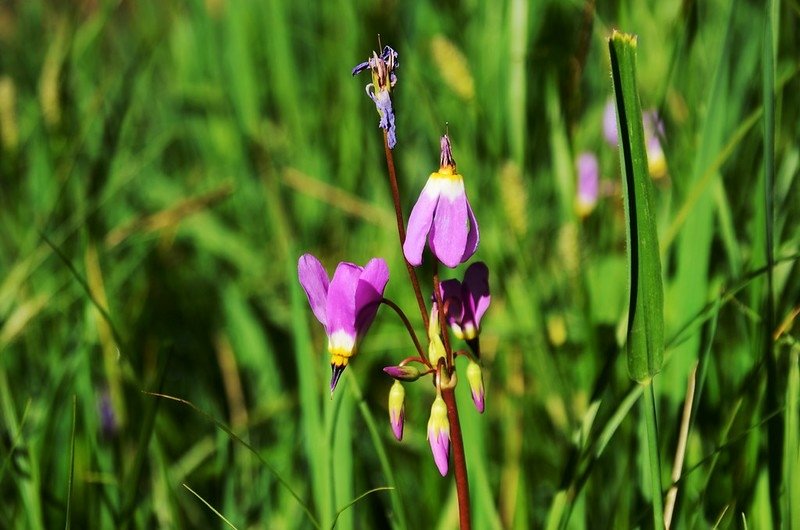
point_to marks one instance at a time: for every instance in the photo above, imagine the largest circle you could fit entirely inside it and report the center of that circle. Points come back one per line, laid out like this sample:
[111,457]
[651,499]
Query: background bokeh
[164,163]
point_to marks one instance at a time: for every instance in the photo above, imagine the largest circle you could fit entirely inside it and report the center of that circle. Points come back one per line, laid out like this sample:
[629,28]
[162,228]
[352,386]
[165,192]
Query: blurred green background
[164,163]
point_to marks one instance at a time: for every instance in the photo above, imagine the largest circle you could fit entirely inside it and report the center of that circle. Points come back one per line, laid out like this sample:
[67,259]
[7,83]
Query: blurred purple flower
[383,80]
[346,305]
[108,417]
[443,215]
[588,183]
[610,123]
[653,132]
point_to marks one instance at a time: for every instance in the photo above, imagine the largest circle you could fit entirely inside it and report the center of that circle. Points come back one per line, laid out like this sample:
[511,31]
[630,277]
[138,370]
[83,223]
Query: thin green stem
[652,453]
[459,461]
[407,324]
[401,228]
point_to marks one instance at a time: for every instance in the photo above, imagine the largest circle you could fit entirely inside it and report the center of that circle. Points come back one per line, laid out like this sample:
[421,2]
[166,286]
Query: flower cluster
[443,220]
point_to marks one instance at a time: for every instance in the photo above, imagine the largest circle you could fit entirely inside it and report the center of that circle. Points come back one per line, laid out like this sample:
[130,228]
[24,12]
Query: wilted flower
[346,305]
[397,409]
[588,183]
[383,80]
[439,434]
[466,302]
[475,379]
[443,215]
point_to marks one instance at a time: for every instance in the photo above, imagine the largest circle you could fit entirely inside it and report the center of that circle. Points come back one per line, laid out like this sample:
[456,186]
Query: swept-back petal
[476,287]
[474,236]
[369,292]
[451,298]
[419,223]
[341,303]
[315,283]
[448,235]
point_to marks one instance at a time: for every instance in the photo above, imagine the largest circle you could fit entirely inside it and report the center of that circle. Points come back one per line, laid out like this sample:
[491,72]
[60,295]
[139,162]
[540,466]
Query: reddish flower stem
[401,228]
[459,462]
[408,326]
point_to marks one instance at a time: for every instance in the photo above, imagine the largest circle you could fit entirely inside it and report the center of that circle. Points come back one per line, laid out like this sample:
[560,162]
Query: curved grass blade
[233,436]
[209,506]
[351,503]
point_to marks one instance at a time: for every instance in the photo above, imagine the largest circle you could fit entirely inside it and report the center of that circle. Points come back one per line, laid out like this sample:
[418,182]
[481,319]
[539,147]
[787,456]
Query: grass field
[164,163]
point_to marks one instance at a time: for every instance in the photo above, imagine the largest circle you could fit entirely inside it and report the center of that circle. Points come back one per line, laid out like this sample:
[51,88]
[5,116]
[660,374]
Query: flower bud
[403,373]
[436,349]
[397,409]
[439,434]
[475,379]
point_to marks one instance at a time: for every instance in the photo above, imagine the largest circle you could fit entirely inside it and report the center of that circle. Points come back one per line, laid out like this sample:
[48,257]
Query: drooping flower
[436,349]
[588,183]
[475,380]
[439,434]
[397,409]
[443,216]
[379,91]
[466,302]
[346,304]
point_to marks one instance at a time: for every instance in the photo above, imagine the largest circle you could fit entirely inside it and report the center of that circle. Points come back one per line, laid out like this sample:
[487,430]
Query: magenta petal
[474,236]
[440,447]
[315,283]
[341,306]
[448,236]
[419,224]
[476,285]
[369,292]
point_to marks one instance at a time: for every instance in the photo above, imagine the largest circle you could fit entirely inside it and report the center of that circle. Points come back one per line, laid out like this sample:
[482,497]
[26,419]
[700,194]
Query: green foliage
[164,163]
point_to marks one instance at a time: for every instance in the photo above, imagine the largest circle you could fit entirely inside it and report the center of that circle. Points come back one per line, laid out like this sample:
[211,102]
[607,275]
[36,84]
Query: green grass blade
[236,438]
[791,454]
[351,503]
[71,464]
[645,340]
[216,512]
[774,433]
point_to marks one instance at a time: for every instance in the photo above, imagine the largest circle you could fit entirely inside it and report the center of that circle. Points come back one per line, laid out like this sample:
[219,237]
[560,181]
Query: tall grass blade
[71,475]
[645,341]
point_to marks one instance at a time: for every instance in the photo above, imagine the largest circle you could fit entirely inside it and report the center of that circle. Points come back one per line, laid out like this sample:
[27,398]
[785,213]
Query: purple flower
[397,409]
[346,305]
[466,302]
[444,216]
[439,434]
[383,80]
[588,183]
[610,123]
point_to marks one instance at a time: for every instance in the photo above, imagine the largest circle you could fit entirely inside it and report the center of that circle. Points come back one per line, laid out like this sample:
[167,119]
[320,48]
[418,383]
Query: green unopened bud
[397,409]
[436,349]
[475,379]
